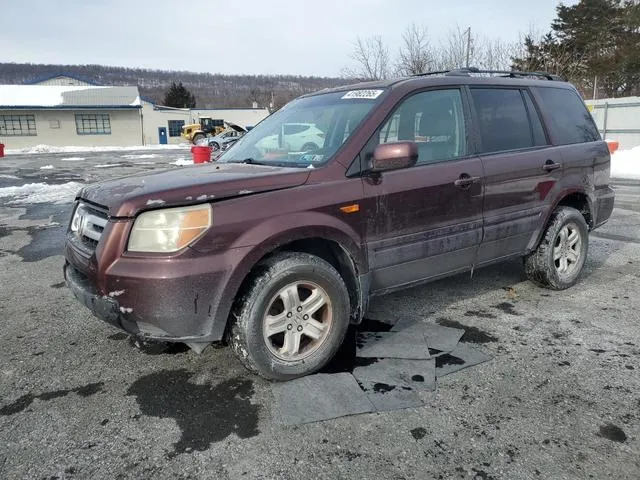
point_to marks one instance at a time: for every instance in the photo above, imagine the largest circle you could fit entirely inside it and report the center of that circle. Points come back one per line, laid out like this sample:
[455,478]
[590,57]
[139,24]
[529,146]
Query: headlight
[169,229]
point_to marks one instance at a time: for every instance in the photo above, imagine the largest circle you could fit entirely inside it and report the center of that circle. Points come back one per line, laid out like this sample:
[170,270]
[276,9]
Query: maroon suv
[278,247]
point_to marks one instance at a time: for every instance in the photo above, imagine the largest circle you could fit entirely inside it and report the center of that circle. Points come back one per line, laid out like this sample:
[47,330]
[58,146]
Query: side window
[434,120]
[503,120]
[570,120]
[539,138]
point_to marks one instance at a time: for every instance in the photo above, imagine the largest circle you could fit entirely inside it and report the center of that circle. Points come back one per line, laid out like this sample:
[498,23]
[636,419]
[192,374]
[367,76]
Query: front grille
[90,226]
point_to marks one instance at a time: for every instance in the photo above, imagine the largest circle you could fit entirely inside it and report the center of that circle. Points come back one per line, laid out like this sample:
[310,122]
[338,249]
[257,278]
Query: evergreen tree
[179,97]
[595,44]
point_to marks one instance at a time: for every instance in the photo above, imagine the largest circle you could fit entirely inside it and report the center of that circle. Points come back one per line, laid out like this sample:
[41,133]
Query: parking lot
[560,399]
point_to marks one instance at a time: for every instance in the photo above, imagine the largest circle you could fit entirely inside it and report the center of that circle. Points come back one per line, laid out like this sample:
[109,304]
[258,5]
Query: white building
[69,115]
[65,110]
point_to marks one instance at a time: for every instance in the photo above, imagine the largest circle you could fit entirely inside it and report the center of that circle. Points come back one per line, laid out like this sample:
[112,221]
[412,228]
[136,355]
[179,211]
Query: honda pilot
[278,250]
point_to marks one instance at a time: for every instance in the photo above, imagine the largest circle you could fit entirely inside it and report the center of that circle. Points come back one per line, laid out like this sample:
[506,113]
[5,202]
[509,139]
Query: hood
[235,127]
[125,197]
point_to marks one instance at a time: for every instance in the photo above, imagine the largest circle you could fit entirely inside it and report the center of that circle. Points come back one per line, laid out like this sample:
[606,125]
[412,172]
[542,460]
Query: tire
[309,147]
[215,146]
[560,256]
[197,138]
[281,287]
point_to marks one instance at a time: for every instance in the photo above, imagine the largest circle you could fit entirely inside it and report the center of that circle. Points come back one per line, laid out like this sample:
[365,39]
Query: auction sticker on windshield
[367,94]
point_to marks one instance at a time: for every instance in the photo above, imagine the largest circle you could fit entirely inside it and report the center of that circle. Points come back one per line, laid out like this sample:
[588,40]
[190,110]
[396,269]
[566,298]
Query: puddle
[26,400]
[508,308]
[479,314]
[418,433]
[612,432]
[205,414]
[46,240]
[471,334]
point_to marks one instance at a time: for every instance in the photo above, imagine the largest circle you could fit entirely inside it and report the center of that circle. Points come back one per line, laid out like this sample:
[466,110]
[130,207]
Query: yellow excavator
[207,126]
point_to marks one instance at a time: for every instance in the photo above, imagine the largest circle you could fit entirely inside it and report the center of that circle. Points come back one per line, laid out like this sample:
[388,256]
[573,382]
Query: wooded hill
[210,90]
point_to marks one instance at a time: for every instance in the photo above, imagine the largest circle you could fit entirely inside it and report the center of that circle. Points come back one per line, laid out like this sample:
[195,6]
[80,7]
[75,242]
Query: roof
[57,75]
[57,97]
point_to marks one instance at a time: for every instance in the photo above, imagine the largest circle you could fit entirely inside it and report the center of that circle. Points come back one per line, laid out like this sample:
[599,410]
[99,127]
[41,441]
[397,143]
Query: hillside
[210,90]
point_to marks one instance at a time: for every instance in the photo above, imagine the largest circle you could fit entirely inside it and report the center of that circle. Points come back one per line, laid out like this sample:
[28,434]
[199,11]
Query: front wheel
[292,318]
[558,260]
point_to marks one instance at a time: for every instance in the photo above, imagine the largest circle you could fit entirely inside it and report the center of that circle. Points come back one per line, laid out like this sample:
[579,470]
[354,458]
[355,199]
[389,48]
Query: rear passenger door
[425,221]
[521,168]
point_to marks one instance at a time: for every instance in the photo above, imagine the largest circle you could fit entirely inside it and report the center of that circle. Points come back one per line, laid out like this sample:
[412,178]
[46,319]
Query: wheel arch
[574,198]
[332,245]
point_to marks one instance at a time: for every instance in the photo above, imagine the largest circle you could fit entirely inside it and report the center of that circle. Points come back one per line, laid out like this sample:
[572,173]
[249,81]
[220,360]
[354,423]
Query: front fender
[296,226]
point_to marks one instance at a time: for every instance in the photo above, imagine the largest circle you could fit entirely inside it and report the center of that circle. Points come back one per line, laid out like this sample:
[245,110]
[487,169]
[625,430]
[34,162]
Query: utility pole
[595,87]
[468,32]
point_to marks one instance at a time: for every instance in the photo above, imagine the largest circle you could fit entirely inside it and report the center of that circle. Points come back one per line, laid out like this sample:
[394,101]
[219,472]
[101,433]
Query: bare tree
[371,57]
[454,49]
[416,54]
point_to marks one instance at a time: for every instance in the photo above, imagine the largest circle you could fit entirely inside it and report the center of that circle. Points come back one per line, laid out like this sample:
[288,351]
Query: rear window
[503,119]
[570,121]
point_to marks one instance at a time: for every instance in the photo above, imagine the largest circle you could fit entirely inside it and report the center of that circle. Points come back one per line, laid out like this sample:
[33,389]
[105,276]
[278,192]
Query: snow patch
[144,155]
[201,197]
[626,164]
[47,167]
[79,149]
[9,177]
[73,159]
[144,163]
[182,162]
[155,202]
[108,165]
[245,192]
[41,193]
[116,293]
[126,310]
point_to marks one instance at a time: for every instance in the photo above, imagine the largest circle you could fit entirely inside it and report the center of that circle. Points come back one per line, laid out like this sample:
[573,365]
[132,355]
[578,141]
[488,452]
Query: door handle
[465,181]
[550,165]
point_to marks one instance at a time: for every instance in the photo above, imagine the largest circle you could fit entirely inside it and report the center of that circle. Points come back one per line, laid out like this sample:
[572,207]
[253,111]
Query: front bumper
[104,308]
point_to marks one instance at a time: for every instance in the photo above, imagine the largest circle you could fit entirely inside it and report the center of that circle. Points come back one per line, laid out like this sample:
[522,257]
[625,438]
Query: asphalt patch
[418,433]
[205,414]
[462,357]
[392,345]
[315,398]
[439,338]
[471,334]
[479,314]
[26,400]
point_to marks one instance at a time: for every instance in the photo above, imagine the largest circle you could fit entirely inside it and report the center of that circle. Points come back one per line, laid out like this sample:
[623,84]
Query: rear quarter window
[569,120]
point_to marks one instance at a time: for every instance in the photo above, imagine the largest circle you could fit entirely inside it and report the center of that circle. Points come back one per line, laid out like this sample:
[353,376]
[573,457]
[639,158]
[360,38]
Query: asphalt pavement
[560,398]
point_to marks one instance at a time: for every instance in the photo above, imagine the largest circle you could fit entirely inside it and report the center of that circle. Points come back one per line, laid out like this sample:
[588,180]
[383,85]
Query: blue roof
[62,74]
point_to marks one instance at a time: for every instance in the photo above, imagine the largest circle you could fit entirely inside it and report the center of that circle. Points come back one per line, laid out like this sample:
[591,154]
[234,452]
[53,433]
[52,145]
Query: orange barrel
[613,145]
[1,150]
[201,153]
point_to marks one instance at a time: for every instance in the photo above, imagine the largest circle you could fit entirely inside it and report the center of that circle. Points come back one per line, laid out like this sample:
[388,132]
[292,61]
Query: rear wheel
[292,318]
[215,146]
[558,260]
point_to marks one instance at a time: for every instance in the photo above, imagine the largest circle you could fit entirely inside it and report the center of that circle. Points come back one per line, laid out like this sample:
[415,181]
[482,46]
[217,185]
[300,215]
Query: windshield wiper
[249,161]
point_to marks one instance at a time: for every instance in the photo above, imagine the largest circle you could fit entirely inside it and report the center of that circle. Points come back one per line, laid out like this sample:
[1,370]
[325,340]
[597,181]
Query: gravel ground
[560,399]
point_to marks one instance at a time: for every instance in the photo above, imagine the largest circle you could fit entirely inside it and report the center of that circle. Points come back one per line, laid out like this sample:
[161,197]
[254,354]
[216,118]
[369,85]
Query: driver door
[424,221]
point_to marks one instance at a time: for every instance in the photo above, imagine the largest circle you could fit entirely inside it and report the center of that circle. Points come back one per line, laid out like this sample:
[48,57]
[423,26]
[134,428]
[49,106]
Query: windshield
[306,132]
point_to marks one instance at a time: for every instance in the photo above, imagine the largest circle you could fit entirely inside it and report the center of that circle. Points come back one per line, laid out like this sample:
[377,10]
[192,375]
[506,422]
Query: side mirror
[394,156]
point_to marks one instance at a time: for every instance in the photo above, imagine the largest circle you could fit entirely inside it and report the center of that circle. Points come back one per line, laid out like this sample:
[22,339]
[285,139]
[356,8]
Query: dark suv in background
[278,251]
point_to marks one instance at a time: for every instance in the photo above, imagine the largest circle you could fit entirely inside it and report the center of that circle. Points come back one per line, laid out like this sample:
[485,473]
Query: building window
[175,127]
[17,125]
[93,124]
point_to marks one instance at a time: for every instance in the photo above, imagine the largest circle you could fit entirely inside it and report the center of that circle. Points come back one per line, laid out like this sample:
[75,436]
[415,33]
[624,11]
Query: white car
[295,137]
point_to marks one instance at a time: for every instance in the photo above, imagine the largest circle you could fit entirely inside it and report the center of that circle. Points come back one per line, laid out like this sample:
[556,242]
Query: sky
[243,37]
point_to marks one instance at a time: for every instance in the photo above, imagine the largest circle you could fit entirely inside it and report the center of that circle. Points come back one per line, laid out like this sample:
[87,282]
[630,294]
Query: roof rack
[466,72]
